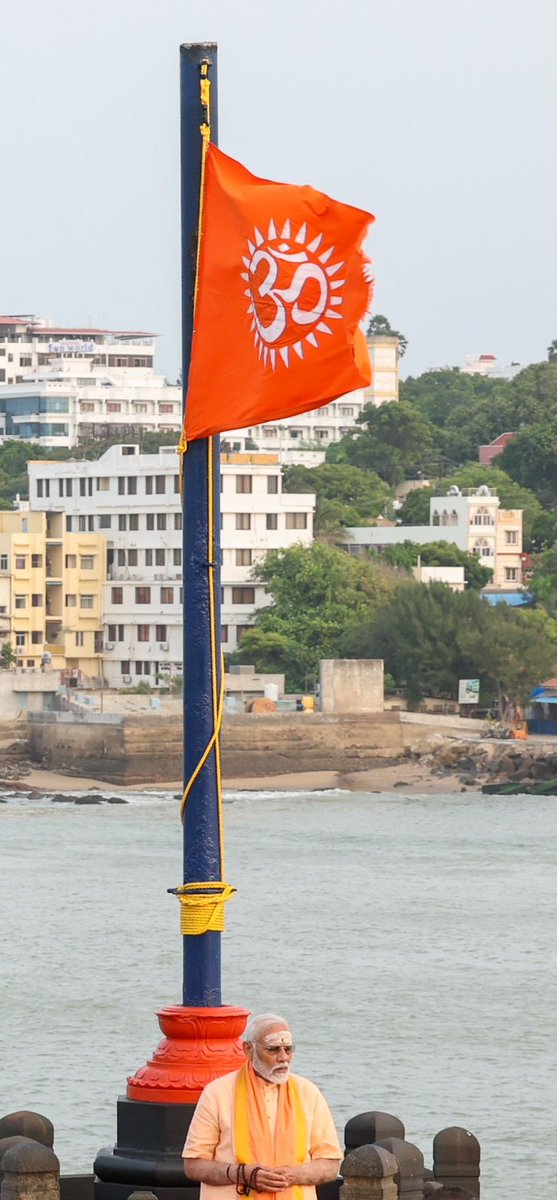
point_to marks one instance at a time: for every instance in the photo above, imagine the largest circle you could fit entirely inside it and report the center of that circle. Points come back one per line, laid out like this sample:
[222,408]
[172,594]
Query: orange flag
[282,287]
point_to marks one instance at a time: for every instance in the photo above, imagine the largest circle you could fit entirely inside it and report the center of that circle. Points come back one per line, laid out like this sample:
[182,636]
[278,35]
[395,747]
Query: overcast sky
[437,115]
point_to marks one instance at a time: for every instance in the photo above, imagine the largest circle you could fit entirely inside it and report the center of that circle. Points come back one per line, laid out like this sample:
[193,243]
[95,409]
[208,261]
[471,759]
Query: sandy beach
[408,777]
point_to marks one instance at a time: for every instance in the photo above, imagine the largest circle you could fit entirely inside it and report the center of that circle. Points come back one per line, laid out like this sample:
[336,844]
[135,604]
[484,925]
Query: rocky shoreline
[507,768]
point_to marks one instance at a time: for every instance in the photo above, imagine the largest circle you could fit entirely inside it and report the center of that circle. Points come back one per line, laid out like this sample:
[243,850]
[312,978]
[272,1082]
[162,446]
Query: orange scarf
[253,1137]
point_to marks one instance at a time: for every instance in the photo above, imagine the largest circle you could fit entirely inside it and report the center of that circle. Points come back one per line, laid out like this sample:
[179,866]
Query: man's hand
[318,1170]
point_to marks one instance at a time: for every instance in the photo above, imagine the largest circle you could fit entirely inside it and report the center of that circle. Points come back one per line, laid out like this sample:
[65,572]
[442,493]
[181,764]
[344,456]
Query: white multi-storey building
[134,500]
[59,386]
[305,437]
[471,519]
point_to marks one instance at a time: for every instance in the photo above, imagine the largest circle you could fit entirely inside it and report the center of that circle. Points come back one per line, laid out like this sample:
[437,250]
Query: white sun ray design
[285,262]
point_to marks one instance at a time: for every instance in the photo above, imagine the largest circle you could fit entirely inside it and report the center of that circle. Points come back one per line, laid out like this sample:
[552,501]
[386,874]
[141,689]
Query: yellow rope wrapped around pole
[202,907]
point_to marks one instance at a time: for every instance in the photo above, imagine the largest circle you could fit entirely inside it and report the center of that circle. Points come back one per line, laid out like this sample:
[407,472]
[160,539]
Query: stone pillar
[370,1127]
[28,1125]
[30,1172]
[410,1174]
[456,1159]
[369,1174]
[6,1144]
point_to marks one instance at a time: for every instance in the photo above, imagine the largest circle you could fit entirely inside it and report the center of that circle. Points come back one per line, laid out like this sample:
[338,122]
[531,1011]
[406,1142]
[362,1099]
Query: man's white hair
[259,1022]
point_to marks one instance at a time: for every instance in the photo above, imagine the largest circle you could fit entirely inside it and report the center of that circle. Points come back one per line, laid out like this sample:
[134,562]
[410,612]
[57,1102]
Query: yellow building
[51,592]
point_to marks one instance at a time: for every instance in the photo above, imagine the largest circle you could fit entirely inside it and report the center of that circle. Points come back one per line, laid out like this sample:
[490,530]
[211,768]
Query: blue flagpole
[202,849]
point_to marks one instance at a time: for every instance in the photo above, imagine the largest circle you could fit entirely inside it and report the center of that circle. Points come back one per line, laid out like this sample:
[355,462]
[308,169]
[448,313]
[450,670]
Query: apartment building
[60,385]
[301,438]
[471,519]
[133,500]
[51,592]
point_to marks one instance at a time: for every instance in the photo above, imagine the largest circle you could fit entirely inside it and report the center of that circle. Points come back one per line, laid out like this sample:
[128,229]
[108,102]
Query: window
[36,560]
[115,633]
[71,600]
[167,595]
[166,408]
[86,601]
[271,521]
[125,668]
[21,601]
[243,483]
[243,558]
[177,558]
[177,520]
[132,485]
[160,558]
[3,562]
[87,406]
[121,558]
[37,637]
[511,537]
[20,562]
[161,633]
[39,488]
[103,483]
[37,600]
[296,520]
[272,485]
[71,562]
[83,487]
[160,484]
[87,562]
[150,521]
[132,558]
[121,485]
[20,639]
[511,574]
[177,484]
[117,595]
[149,485]
[161,520]
[243,520]
[224,633]
[148,558]
[143,595]
[30,661]
[134,521]
[143,633]
[79,638]
[69,487]
[240,631]
[122,521]
[112,407]
[68,524]
[243,595]
[105,521]
[82,524]
[143,668]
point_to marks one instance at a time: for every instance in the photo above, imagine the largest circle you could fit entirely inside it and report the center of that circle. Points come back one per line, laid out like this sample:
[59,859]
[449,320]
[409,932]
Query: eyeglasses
[274,1050]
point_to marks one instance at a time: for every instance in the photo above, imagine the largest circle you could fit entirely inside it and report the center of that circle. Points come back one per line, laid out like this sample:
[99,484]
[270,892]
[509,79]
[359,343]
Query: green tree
[7,656]
[552,351]
[543,582]
[316,591]
[395,440]
[438,554]
[531,459]
[380,326]
[345,495]
[430,637]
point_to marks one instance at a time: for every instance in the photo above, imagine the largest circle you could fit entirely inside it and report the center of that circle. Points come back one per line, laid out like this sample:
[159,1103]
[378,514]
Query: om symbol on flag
[291,290]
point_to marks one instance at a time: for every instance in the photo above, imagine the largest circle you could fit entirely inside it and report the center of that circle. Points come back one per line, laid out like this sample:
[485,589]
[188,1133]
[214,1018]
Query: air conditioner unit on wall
[163,645]
[126,678]
[109,645]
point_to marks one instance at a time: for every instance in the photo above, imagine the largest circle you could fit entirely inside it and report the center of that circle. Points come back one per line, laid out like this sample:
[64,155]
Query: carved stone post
[369,1174]
[456,1159]
[370,1127]
[28,1125]
[30,1172]
[410,1175]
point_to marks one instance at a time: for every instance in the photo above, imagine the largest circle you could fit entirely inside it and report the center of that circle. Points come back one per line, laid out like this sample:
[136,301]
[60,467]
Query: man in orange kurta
[262,1129]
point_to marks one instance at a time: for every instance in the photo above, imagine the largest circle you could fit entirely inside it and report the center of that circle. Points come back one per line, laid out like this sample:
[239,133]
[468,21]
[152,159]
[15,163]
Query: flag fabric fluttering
[282,287]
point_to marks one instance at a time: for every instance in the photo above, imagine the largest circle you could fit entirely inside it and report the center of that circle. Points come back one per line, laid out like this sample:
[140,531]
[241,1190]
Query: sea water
[410,941]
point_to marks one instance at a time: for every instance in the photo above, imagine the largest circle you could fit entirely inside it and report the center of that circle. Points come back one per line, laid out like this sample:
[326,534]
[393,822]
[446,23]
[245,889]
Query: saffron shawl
[254,1141]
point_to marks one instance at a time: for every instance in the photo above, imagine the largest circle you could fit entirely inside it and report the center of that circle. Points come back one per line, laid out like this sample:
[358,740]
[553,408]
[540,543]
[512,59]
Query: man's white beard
[278,1074]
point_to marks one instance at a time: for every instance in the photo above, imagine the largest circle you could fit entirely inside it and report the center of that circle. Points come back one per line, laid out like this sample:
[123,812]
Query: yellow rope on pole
[202,907]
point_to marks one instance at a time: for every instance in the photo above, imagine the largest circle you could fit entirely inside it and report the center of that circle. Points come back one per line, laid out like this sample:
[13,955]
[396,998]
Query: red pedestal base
[200,1044]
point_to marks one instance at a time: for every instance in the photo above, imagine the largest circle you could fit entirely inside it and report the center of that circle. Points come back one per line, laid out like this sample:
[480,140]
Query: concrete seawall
[148,749]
